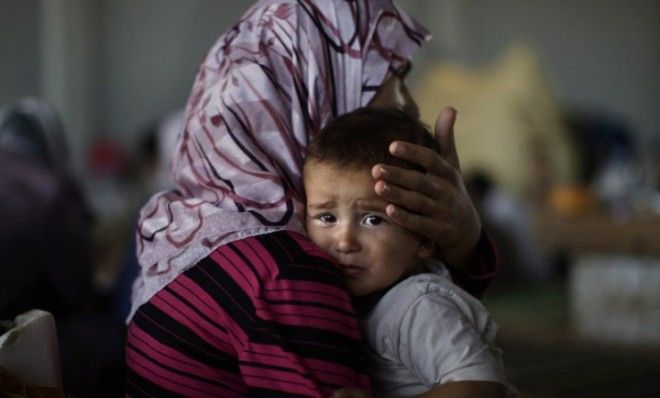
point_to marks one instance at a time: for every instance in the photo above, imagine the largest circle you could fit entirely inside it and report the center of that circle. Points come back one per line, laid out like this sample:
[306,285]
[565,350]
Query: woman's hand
[436,204]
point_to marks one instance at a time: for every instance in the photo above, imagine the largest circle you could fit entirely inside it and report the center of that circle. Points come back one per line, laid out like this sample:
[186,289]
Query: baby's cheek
[317,236]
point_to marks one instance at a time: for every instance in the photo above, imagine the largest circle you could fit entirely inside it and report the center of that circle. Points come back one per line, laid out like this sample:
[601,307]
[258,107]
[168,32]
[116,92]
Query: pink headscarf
[270,83]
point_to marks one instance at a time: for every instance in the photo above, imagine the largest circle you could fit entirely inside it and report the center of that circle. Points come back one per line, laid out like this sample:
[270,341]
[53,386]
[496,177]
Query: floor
[545,358]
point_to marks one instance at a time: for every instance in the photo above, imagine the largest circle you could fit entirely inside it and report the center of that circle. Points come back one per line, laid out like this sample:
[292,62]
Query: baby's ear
[425,248]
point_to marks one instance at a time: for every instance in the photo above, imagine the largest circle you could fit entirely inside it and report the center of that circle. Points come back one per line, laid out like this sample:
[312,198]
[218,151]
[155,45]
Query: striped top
[261,316]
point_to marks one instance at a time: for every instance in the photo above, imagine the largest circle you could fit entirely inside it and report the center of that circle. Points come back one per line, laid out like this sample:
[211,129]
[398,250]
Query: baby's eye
[326,218]
[373,220]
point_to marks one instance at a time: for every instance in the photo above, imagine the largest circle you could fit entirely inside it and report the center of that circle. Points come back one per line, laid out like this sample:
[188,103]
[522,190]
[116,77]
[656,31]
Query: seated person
[422,330]
[267,86]
[46,248]
[44,245]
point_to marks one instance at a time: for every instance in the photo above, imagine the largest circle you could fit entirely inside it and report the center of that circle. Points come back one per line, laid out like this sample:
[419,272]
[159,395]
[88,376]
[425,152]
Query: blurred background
[558,133]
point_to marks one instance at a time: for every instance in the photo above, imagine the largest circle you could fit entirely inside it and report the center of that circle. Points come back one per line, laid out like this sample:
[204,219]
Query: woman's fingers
[444,135]
[409,179]
[425,157]
[430,185]
[419,202]
[431,161]
[432,228]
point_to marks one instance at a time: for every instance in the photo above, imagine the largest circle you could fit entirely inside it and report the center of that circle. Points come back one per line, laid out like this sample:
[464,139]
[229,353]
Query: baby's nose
[347,240]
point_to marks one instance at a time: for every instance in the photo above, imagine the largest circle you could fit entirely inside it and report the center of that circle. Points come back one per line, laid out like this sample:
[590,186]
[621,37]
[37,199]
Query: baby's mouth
[351,270]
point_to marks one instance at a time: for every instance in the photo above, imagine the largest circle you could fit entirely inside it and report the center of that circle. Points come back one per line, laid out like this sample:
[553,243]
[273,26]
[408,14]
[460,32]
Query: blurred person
[510,220]
[45,243]
[46,249]
[229,280]
[423,331]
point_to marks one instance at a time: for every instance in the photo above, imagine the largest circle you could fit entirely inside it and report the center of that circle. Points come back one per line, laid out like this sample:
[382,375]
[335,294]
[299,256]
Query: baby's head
[344,215]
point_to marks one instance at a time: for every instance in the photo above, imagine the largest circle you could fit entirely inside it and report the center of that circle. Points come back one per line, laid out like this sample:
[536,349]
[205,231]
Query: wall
[150,54]
[138,57]
[19,46]
[598,54]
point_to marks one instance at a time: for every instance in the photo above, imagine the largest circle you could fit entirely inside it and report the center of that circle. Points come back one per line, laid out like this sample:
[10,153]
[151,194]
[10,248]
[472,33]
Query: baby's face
[347,219]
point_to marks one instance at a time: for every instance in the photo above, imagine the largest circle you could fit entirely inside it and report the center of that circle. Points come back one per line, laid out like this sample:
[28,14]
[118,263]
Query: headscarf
[43,137]
[268,85]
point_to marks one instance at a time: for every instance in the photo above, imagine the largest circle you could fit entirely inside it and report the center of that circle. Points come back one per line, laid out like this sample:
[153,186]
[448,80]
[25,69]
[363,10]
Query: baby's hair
[361,138]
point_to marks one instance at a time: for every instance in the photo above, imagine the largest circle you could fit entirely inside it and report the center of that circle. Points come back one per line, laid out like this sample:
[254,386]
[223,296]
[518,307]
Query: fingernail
[382,188]
[391,210]
[382,172]
[396,149]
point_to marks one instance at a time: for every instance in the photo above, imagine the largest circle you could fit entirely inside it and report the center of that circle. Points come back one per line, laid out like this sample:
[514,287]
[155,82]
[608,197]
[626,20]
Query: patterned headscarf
[270,83]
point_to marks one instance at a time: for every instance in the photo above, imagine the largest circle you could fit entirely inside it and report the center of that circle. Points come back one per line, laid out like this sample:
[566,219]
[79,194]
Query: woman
[44,245]
[233,299]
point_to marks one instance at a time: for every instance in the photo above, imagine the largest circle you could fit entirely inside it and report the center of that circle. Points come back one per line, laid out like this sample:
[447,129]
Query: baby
[423,332]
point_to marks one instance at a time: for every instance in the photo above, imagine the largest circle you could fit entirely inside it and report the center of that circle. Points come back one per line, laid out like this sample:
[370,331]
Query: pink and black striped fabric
[261,316]
[271,82]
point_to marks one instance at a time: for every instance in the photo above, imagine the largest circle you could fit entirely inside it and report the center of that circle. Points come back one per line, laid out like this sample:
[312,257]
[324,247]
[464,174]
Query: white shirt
[427,331]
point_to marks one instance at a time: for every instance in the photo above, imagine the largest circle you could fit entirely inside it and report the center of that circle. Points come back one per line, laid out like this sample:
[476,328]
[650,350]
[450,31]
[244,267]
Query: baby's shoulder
[398,300]
[426,292]
[428,286]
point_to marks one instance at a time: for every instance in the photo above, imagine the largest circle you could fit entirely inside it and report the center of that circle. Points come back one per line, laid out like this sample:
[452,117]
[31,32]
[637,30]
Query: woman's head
[20,134]
[30,127]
